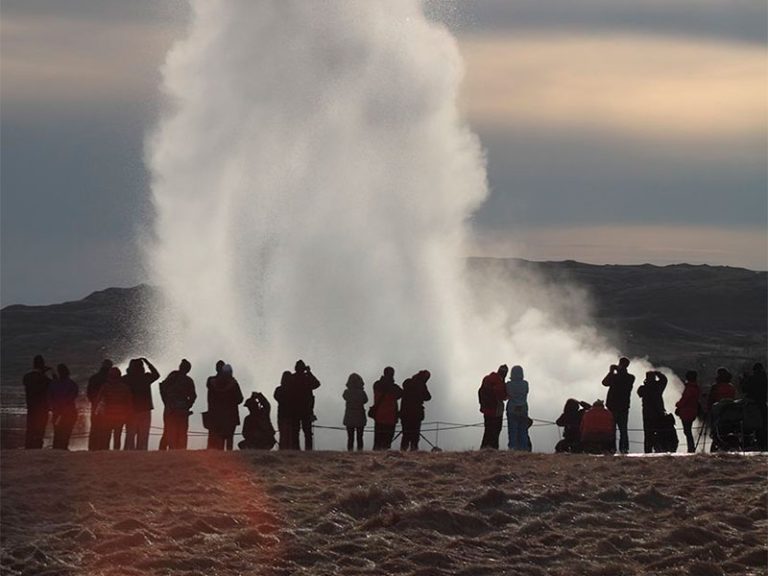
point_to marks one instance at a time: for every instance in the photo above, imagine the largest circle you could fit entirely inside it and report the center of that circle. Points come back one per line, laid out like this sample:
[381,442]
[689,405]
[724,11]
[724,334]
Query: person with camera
[415,393]
[619,383]
[653,409]
[304,383]
[258,432]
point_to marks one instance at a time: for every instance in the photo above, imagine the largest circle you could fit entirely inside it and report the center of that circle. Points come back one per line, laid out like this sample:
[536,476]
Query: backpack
[487,398]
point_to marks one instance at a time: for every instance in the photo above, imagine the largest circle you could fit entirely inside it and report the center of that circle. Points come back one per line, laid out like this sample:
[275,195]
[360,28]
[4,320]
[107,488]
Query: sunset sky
[616,131]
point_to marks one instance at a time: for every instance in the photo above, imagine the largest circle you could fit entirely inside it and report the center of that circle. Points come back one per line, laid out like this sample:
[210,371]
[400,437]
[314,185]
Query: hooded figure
[385,410]
[36,385]
[651,391]
[517,410]
[491,395]
[619,382]
[354,411]
[224,397]
[415,393]
[258,432]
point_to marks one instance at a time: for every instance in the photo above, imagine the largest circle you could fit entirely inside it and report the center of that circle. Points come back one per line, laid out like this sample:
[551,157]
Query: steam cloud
[312,180]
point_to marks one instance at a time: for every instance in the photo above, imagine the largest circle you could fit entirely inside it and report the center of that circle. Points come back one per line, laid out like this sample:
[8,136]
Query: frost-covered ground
[210,513]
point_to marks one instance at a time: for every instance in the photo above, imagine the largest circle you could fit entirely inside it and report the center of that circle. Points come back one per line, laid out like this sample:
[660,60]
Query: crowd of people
[121,408]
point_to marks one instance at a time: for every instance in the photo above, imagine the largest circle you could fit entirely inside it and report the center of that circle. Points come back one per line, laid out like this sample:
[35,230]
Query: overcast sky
[616,131]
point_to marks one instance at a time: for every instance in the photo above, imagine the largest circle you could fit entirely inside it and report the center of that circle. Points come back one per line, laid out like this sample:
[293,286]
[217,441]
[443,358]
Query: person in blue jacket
[517,409]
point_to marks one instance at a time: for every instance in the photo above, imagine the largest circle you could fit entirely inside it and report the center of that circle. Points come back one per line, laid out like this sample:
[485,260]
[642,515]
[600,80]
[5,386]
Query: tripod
[434,447]
[703,433]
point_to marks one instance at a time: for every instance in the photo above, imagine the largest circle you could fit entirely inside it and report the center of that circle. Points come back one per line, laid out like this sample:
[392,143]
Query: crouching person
[258,432]
[598,433]
[570,421]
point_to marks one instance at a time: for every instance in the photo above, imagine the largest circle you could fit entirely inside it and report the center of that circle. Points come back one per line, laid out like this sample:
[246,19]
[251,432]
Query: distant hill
[679,316]
[682,316]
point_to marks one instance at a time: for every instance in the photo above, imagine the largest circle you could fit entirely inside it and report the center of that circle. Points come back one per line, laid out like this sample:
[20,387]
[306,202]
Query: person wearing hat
[619,383]
[415,393]
[178,394]
[36,383]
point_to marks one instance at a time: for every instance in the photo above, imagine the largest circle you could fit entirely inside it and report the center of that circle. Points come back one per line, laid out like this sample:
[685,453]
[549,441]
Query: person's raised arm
[152,370]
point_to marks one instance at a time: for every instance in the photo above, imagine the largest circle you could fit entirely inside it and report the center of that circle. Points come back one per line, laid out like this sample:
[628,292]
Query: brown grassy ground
[207,513]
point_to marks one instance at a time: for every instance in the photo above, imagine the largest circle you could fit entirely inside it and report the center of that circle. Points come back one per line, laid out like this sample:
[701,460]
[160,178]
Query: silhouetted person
[491,395]
[115,405]
[517,410]
[224,397]
[62,394]
[36,385]
[415,393]
[651,391]
[619,383]
[258,432]
[570,421]
[687,408]
[137,431]
[598,430]
[304,383]
[286,413]
[355,400]
[755,387]
[97,439]
[384,410]
[178,394]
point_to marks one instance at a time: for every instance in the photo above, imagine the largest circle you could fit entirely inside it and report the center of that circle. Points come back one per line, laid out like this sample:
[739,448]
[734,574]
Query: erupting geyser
[312,180]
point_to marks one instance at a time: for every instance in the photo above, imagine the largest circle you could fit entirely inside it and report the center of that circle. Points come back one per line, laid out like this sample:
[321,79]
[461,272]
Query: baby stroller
[735,425]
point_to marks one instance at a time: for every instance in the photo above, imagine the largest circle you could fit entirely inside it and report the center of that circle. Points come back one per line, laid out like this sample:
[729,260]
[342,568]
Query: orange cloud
[642,86]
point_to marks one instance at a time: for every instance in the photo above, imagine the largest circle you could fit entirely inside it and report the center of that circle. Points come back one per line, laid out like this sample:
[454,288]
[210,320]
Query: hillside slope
[679,316]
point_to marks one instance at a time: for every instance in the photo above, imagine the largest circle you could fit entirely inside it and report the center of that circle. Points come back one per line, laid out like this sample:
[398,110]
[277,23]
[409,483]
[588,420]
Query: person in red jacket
[384,410]
[492,394]
[687,408]
[722,389]
[598,433]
